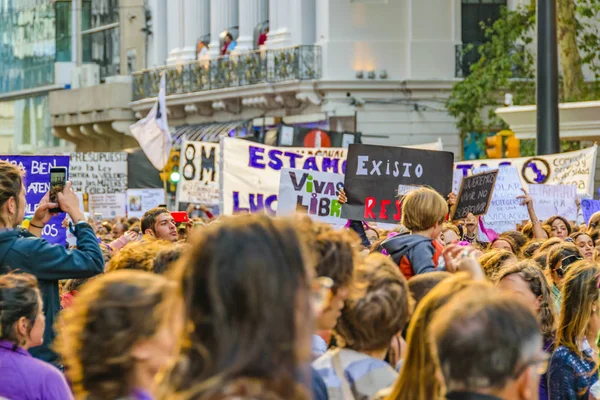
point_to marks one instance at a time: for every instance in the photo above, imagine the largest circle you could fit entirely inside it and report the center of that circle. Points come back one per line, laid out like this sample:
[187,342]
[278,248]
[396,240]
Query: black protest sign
[374,174]
[475,194]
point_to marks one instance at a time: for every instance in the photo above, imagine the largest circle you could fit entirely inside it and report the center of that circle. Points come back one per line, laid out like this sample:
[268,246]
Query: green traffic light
[175,177]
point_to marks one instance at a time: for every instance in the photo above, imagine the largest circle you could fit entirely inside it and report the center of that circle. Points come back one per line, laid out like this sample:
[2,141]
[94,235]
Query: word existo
[374,168]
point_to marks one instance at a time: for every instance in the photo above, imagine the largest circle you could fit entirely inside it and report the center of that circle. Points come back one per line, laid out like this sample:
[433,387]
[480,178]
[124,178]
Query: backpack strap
[339,372]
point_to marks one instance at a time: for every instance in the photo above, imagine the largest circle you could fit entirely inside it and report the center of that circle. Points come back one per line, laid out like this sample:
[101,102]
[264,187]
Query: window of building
[100,35]
[63,10]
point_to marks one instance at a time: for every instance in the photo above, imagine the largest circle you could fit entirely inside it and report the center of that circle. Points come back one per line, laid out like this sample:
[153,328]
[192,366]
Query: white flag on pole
[152,132]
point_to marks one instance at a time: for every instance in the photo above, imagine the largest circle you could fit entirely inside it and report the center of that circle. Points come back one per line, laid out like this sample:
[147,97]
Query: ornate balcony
[266,66]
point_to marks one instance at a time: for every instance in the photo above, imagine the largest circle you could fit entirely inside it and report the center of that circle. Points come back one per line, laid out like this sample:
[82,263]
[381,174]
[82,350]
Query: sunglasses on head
[565,263]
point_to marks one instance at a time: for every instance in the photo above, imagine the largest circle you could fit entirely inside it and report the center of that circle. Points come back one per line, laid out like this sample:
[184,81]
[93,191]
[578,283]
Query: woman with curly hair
[115,337]
[22,327]
[245,289]
[494,260]
[527,281]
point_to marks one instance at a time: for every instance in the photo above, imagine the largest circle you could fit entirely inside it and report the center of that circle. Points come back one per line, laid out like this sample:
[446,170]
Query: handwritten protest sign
[99,173]
[37,183]
[572,168]
[475,195]
[374,173]
[141,200]
[198,166]
[549,200]
[310,192]
[250,172]
[108,205]
[505,210]
[589,207]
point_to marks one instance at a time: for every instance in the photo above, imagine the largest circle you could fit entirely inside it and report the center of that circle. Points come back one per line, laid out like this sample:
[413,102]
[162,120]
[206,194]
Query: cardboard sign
[475,195]
[141,200]
[549,200]
[505,210]
[589,207]
[373,174]
[198,166]
[37,183]
[573,168]
[310,192]
[99,173]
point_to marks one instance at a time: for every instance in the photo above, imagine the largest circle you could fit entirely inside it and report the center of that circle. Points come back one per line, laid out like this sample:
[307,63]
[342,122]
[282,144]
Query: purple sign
[37,183]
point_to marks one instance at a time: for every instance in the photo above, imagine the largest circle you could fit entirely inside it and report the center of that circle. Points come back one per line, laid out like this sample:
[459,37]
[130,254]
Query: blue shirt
[23,377]
[570,376]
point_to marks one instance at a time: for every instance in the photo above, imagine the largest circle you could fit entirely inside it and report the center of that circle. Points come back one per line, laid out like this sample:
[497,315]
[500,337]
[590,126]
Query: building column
[279,18]
[157,43]
[252,13]
[174,30]
[191,28]
[302,27]
[223,15]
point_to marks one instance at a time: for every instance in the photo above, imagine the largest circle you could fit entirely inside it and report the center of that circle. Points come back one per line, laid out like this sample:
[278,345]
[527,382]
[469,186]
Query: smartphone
[58,180]
[180,217]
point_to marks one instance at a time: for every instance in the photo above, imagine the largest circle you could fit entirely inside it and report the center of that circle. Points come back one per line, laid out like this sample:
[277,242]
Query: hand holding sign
[475,194]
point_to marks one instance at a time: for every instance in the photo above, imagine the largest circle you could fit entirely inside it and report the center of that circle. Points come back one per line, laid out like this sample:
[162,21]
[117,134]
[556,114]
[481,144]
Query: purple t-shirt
[26,378]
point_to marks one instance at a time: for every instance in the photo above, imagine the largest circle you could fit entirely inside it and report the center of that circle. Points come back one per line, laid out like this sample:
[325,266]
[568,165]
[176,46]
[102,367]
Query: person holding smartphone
[25,251]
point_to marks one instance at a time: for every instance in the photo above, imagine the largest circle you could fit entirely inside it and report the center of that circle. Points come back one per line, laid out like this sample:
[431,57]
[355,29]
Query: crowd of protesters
[252,307]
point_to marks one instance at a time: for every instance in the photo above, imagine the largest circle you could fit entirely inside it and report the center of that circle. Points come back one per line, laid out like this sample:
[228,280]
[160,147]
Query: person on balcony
[229,44]
[262,39]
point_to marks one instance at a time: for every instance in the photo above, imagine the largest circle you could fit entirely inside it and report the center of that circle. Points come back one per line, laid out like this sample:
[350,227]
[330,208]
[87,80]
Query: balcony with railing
[297,63]
[467,54]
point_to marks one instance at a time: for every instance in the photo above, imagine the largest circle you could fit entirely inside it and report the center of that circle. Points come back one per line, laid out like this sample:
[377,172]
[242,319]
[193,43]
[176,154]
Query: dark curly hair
[111,314]
[19,297]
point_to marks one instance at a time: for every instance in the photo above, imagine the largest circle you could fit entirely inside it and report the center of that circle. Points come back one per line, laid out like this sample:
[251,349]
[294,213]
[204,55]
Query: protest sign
[505,210]
[374,174]
[141,200]
[99,173]
[249,172]
[37,184]
[475,194]
[589,207]
[199,173]
[310,192]
[549,200]
[108,205]
[573,168]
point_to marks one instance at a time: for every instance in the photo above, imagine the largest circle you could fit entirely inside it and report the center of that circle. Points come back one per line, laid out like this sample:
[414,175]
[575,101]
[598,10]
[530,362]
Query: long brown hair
[417,380]
[579,292]
[242,285]
[11,185]
[535,279]
[108,318]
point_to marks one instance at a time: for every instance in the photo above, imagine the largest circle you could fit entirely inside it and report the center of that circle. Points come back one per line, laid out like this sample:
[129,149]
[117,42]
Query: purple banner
[37,183]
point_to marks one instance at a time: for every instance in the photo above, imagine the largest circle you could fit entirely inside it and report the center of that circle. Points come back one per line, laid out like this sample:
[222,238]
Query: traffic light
[170,173]
[513,147]
[494,146]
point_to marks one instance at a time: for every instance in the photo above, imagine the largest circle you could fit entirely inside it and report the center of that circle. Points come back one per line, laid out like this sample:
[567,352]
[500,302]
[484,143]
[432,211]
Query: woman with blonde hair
[115,337]
[527,281]
[494,260]
[417,380]
[573,366]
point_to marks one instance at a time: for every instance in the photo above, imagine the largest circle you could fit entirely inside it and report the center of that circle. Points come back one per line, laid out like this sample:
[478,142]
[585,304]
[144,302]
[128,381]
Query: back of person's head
[20,304]
[138,255]
[377,306]
[485,342]
[494,260]
[422,209]
[108,331]
[132,221]
[580,295]
[560,252]
[505,243]
[245,290]
[518,239]
[530,248]
[11,186]
[531,274]
[422,284]
[167,257]
[417,378]
[336,254]
[527,230]
[149,219]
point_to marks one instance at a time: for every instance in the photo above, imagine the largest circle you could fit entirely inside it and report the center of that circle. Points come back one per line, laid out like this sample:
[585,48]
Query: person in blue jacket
[25,251]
